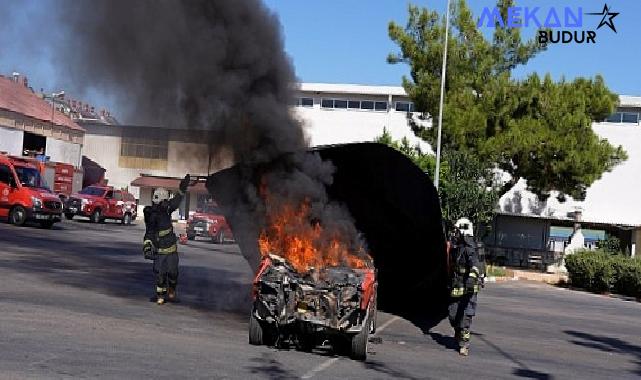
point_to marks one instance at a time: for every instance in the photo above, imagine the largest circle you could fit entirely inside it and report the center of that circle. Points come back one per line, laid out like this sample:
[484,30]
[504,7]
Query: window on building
[367,105]
[623,117]
[135,145]
[354,104]
[403,106]
[306,102]
[614,118]
[340,103]
[327,103]
[380,106]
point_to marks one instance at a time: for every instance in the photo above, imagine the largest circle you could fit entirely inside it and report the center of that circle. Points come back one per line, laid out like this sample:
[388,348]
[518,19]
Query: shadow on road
[523,371]
[267,366]
[607,344]
[389,372]
[123,273]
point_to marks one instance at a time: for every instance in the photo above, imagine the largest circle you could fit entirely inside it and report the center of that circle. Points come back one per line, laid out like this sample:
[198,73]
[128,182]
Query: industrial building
[30,125]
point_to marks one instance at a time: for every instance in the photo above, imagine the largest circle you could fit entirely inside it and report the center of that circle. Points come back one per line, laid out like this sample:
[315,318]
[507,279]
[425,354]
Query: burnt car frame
[335,304]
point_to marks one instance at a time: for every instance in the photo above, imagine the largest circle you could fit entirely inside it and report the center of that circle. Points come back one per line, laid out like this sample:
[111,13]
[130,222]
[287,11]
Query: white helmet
[465,226]
[160,194]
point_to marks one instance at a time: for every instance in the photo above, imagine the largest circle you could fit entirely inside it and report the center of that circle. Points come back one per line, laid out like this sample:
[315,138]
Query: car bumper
[44,215]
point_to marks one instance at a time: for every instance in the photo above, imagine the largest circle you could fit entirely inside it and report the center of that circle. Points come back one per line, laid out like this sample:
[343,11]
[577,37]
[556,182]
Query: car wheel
[46,224]
[255,331]
[18,216]
[126,220]
[305,342]
[96,217]
[69,216]
[191,237]
[358,349]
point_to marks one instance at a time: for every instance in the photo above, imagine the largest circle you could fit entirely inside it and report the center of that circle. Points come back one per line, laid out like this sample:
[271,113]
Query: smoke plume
[217,66]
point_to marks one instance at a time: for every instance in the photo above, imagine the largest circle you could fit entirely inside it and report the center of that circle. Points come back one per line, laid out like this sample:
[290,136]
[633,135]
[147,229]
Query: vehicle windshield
[212,209]
[30,177]
[91,190]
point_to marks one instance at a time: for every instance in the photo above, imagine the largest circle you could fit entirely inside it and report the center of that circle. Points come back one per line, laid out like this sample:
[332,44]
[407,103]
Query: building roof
[336,88]
[15,97]
[167,182]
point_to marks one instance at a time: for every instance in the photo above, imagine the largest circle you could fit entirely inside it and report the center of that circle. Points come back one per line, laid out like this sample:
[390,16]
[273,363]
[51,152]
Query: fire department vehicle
[24,194]
[100,203]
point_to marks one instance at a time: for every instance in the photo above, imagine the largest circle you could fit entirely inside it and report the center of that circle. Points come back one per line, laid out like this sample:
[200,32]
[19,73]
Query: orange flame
[291,234]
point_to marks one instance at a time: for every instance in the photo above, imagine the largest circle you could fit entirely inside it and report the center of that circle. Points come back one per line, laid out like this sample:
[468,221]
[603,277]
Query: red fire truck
[24,195]
[100,203]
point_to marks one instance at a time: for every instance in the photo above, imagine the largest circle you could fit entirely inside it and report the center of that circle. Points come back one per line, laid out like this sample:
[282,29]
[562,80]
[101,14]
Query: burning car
[335,303]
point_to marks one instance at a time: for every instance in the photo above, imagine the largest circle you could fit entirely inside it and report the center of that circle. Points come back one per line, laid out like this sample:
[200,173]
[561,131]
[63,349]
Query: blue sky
[346,41]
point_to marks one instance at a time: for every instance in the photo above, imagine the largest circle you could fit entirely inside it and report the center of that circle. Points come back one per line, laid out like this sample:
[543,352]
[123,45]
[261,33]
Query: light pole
[440,108]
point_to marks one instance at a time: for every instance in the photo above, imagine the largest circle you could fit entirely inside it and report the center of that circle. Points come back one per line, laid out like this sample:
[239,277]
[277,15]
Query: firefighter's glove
[149,250]
[184,184]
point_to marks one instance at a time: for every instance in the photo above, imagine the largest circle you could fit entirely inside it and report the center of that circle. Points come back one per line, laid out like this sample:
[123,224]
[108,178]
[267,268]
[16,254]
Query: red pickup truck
[24,195]
[100,203]
[209,223]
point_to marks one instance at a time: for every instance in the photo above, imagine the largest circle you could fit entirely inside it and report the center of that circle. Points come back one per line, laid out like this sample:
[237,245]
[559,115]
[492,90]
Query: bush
[495,271]
[602,272]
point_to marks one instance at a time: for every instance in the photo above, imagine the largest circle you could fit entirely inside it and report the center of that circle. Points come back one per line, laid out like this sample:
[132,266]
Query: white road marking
[329,362]
[386,324]
[324,365]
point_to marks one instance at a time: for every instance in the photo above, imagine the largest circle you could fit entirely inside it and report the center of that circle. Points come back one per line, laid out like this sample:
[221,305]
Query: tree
[468,189]
[534,128]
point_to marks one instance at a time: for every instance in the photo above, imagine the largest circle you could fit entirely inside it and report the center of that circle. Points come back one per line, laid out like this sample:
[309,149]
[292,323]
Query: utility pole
[440,108]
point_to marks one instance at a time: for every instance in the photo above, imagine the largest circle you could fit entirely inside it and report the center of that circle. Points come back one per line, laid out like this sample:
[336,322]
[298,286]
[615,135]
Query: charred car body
[336,304]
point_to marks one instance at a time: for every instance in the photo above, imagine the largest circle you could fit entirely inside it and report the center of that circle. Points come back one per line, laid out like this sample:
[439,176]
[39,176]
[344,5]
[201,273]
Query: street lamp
[440,108]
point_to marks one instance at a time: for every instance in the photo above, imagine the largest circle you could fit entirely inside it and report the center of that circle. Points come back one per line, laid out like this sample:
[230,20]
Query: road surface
[74,303]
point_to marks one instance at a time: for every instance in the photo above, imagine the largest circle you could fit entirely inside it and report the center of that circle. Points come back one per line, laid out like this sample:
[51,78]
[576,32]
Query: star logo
[607,18]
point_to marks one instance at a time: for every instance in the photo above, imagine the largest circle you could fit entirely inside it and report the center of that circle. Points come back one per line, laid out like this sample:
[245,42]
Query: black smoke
[217,66]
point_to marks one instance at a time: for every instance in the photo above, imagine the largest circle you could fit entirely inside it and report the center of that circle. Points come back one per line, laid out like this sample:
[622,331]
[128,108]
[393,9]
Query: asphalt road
[74,303]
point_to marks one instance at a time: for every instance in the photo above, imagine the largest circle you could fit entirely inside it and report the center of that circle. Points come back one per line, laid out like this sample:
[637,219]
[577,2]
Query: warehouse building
[30,125]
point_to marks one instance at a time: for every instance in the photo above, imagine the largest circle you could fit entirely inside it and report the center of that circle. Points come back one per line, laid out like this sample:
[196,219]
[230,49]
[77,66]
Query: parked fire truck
[100,203]
[24,194]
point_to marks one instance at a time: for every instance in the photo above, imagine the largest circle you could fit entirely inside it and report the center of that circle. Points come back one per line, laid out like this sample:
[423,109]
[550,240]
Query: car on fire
[209,223]
[24,194]
[99,203]
[335,304]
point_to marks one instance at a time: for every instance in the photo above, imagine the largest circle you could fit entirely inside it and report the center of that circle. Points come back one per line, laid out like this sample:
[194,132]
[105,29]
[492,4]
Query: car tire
[256,332]
[46,224]
[18,215]
[126,219]
[69,216]
[96,216]
[305,342]
[191,237]
[358,348]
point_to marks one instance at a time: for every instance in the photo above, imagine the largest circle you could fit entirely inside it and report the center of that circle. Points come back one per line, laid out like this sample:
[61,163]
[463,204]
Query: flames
[292,233]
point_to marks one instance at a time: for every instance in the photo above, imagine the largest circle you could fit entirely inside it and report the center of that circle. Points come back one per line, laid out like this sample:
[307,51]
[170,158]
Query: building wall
[325,126]
[63,151]
[11,141]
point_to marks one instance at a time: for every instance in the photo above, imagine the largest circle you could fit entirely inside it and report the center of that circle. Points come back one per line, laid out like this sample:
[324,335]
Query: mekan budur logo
[568,18]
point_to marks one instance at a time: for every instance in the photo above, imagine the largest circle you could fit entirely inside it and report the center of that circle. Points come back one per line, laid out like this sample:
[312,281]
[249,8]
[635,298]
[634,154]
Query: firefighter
[160,243]
[466,279]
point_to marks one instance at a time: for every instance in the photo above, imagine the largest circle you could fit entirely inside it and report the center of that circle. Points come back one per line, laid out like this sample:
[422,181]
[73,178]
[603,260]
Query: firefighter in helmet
[467,275]
[160,243]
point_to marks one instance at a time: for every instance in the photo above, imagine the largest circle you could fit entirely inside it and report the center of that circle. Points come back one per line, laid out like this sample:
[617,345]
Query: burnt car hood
[394,204]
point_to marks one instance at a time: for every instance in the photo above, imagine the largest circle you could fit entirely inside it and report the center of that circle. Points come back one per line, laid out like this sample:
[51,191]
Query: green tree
[534,128]
[468,188]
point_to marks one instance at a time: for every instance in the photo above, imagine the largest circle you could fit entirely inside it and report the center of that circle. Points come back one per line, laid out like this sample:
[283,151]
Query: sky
[346,41]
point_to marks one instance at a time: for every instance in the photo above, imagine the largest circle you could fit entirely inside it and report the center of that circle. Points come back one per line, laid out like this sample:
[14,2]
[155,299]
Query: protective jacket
[465,267]
[160,238]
